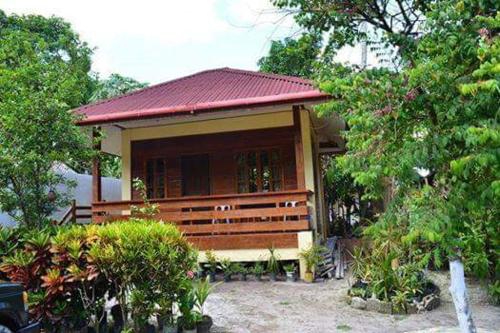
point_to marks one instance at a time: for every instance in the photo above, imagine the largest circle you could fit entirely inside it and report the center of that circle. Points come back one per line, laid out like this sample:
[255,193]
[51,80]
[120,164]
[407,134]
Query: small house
[232,157]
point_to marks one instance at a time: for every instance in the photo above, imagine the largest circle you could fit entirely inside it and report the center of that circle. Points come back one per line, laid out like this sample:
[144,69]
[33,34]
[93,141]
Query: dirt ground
[320,307]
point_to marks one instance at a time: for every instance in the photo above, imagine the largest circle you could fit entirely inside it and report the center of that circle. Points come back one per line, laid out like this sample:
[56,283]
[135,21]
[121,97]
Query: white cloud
[131,24]
[102,20]
[154,40]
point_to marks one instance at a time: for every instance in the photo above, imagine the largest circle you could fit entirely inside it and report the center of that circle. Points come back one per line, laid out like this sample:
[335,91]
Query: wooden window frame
[259,180]
[155,175]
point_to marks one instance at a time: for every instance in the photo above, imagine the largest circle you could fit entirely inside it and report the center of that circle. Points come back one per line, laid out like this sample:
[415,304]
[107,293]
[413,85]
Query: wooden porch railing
[75,213]
[220,221]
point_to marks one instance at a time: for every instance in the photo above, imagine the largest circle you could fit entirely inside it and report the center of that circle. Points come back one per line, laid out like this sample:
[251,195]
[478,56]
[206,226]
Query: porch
[228,221]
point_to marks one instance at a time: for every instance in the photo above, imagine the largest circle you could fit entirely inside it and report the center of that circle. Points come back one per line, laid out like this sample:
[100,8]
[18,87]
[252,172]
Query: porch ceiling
[113,131]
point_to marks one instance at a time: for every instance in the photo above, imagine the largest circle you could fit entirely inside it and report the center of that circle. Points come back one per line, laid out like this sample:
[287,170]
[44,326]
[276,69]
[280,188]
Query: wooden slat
[207,201]
[83,216]
[245,227]
[233,214]
[248,241]
[83,207]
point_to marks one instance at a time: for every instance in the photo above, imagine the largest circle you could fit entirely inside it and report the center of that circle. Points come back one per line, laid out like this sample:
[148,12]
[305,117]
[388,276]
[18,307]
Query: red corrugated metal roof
[212,90]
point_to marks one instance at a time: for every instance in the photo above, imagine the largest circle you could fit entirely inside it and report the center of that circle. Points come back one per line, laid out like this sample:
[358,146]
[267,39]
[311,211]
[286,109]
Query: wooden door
[195,175]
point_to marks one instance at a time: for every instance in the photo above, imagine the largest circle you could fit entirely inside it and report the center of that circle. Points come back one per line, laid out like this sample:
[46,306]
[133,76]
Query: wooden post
[96,166]
[458,292]
[73,211]
[299,149]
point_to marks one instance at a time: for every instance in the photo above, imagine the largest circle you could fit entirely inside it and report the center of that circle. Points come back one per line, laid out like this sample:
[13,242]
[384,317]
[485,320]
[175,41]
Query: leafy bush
[387,276]
[425,139]
[69,271]
[311,256]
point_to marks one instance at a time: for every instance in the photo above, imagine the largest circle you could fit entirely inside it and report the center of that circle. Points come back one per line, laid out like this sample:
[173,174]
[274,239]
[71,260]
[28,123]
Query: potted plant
[291,272]
[189,316]
[238,268]
[211,264]
[243,272]
[227,269]
[311,257]
[165,317]
[142,309]
[273,266]
[202,290]
[258,270]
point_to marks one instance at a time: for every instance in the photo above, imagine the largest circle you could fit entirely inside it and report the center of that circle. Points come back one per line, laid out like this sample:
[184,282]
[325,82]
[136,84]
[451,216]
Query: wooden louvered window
[155,178]
[259,171]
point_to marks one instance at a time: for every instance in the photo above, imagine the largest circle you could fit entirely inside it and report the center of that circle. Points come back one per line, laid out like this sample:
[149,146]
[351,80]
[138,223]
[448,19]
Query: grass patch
[284,303]
[344,328]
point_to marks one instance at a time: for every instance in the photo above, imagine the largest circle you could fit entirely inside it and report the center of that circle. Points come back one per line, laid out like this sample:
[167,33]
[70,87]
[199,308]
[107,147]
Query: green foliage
[68,271]
[126,252]
[290,268]
[258,269]
[388,277]
[438,115]
[147,209]
[115,85]
[390,22]
[190,316]
[296,57]
[273,265]
[211,261]
[312,256]
[43,73]
[202,289]
[227,267]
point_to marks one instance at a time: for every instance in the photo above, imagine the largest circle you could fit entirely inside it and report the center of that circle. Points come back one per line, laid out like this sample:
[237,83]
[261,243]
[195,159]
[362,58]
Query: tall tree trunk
[458,291]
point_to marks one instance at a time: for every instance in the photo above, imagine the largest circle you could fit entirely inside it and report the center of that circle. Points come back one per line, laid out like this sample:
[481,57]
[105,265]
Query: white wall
[82,193]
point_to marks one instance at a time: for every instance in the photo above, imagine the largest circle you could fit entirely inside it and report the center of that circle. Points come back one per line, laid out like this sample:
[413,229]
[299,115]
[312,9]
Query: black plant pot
[243,277]
[227,277]
[211,276]
[116,314]
[204,325]
[272,277]
[181,327]
[148,328]
[258,277]
[166,324]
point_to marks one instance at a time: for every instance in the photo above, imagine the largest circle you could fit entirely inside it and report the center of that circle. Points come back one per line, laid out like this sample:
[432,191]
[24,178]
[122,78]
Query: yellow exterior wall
[126,166]
[242,123]
[305,125]
[305,240]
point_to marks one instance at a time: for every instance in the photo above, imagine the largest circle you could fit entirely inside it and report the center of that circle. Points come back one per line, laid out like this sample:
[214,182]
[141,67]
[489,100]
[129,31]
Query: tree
[439,115]
[295,57]
[43,73]
[391,22]
[115,85]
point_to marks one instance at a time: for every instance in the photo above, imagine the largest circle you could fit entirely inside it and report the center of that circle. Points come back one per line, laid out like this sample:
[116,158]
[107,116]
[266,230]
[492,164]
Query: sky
[157,40]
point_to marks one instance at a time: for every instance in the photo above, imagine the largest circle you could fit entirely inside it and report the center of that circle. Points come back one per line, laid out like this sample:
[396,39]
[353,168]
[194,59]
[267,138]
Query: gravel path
[320,307]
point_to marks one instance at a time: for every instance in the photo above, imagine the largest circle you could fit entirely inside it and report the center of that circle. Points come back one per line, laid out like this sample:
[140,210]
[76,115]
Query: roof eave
[309,96]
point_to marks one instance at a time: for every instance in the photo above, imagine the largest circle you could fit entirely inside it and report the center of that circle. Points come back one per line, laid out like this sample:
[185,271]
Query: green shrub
[67,271]
[311,256]
[153,258]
